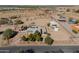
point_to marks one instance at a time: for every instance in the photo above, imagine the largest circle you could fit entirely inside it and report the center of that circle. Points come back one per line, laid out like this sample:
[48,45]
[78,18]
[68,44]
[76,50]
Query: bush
[77,22]
[24,27]
[33,37]
[18,22]
[48,24]
[75,31]
[49,40]
[37,33]
[4,21]
[38,38]
[10,22]
[1,32]
[24,38]
[13,17]
[77,11]
[68,10]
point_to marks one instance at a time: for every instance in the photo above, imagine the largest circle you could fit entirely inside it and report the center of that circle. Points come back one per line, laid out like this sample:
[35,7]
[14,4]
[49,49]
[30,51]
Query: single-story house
[32,29]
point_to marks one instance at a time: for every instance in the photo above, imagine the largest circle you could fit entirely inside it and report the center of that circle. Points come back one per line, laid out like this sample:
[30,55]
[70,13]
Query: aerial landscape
[39,26]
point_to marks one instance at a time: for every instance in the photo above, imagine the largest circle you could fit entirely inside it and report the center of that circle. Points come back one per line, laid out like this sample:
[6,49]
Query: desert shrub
[77,11]
[18,22]
[68,10]
[77,21]
[74,31]
[24,27]
[13,17]
[1,32]
[49,40]
[4,21]
[48,24]
[24,38]
[33,37]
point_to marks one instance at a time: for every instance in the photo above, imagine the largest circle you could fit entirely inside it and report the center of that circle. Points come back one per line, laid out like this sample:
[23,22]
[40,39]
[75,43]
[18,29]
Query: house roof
[75,26]
[33,29]
[53,22]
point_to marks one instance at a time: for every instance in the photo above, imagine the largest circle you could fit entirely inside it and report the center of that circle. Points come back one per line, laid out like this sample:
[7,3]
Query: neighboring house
[62,18]
[72,21]
[75,27]
[54,25]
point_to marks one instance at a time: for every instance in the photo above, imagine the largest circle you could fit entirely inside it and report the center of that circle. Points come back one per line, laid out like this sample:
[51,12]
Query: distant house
[72,21]
[75,27]
[54,25]
[63,18]
[66,8]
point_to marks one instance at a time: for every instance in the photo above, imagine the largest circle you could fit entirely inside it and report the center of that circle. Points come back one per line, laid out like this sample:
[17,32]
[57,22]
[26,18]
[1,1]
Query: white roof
[33,29]
[53,22]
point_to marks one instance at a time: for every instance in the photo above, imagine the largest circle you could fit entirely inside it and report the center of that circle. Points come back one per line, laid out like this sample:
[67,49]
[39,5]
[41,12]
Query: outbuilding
[54,25]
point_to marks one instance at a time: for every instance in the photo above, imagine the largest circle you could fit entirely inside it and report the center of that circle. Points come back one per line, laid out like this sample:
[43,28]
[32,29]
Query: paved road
[40,49]
[66,26]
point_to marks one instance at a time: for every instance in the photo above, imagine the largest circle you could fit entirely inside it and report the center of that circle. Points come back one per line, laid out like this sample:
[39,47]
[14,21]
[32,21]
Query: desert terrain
[40,17]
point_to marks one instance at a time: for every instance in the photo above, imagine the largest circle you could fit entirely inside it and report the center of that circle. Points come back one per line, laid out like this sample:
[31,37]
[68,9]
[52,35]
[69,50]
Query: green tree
[49,40]
[8,33]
